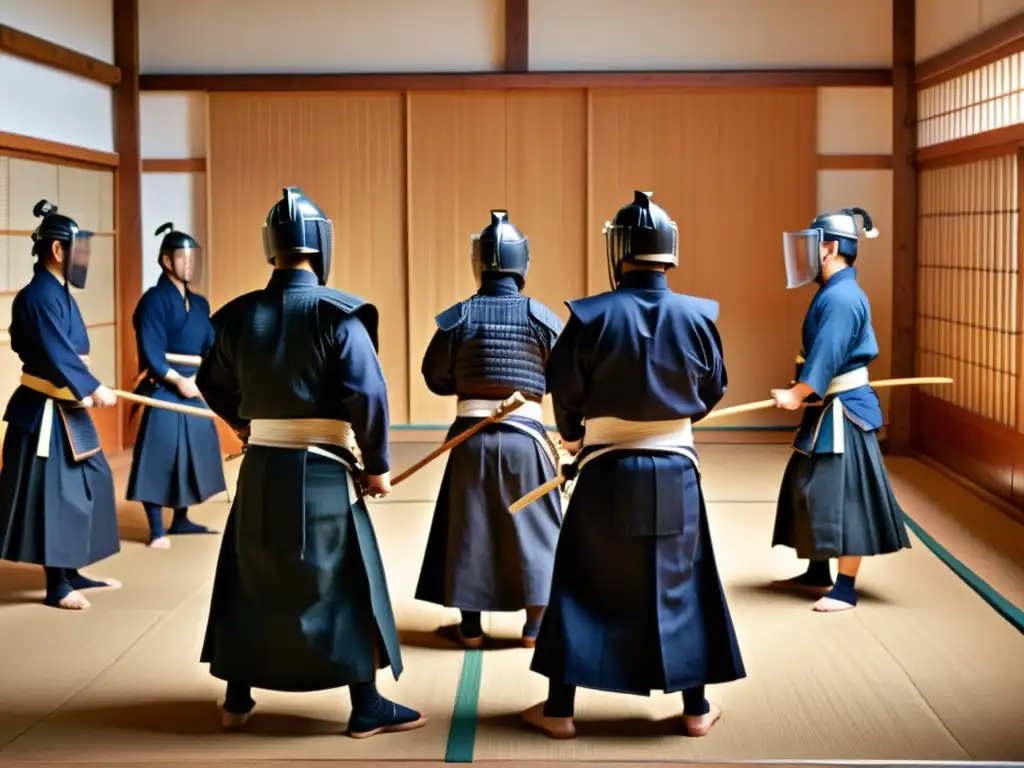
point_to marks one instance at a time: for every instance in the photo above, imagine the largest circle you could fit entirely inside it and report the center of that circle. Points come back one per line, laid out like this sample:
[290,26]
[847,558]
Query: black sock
[694,702]
[844,590]
[78,581]
[155,517]
[819,571]
[561,700]
[366,699]
[57,586]
[181,523]
[238,700]
[470,626]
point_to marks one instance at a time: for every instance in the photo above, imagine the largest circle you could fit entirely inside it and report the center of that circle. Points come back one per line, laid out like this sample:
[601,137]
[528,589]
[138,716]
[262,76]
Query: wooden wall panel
[732,184]
[457,173]
[967,286]
[347,153]
[547,182]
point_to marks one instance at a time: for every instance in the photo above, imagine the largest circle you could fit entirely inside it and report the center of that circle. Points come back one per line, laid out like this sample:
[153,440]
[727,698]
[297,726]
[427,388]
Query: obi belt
[75,419]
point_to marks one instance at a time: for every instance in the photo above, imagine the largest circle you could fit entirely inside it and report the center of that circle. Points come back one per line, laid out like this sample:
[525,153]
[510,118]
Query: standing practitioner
[57,503]
[176,461]
[300,600]
[636,600]
[479,557]
[835,499]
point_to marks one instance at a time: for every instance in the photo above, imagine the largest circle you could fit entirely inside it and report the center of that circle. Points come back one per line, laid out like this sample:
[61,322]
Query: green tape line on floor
[1003,607]
[462,734]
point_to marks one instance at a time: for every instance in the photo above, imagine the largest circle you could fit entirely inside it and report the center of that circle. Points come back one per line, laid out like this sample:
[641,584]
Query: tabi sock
[238,700]
[694,702]
[561,700]
[531,629]
[155,518]
[57,586]
[370,710]
[78,581]
[818,574]
[470,626]
[181,523]
[844,590]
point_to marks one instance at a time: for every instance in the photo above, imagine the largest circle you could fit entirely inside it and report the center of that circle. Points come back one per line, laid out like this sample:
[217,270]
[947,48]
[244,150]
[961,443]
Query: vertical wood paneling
[968,324]
[347,153]
[457,173]
[732,185]
[562,162]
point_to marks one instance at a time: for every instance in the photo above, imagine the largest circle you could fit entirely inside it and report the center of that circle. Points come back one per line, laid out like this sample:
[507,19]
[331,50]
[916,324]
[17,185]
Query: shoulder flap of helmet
[351,304]
[587,309]
[452,317]
[234,307]
[706,308]
[545,316]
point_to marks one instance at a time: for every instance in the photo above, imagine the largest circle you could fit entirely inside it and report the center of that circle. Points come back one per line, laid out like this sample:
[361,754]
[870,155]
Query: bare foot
[700,725]
[161,543]
[471,642]
[529,642]
[74,601]
[831,605]
[232,722]
[555,727]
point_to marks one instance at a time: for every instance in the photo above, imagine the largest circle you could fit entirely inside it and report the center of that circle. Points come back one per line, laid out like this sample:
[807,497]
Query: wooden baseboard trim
[987,496]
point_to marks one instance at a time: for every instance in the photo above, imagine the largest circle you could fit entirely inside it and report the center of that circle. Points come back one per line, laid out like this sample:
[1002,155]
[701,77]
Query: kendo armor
[297,225]
[501,343]
[641,233]
[841,227]
[501,248]
[63,229]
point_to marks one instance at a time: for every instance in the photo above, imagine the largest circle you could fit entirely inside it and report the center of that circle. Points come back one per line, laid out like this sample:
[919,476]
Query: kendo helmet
[296,225]
[63,229]
[501,248]
[173,242]
[642,232]
[802,250]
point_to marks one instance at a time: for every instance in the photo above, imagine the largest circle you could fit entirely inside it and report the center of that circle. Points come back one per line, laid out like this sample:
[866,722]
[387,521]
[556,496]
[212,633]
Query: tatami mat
[923,669]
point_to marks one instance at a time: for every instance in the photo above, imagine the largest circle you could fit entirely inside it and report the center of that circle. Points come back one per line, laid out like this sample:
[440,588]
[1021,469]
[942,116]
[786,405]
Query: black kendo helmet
[173,241]
[841,227]
[501,248]
[297,225]
[641,233]
[65,230]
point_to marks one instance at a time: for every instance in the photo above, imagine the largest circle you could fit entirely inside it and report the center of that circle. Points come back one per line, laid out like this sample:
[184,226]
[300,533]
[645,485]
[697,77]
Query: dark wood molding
[16,145]
[1001,141]
[171,165]
[991,45]
[31,48]
[517,35]
[802,78]
[128,194]
[983,451]
[904,223]
[854,162]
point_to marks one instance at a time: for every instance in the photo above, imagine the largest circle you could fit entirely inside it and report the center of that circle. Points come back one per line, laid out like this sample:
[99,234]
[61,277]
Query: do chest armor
[499,348]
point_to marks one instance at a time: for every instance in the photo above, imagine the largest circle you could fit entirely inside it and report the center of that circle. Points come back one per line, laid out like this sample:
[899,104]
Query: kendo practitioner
[176,461]
[57,502]
[636,600]
[478,556]
[300,600]
[835,500]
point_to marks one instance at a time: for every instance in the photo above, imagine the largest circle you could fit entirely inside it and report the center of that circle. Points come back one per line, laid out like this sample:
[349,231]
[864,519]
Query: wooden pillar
[517,35]
[904,223]
[128,193]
